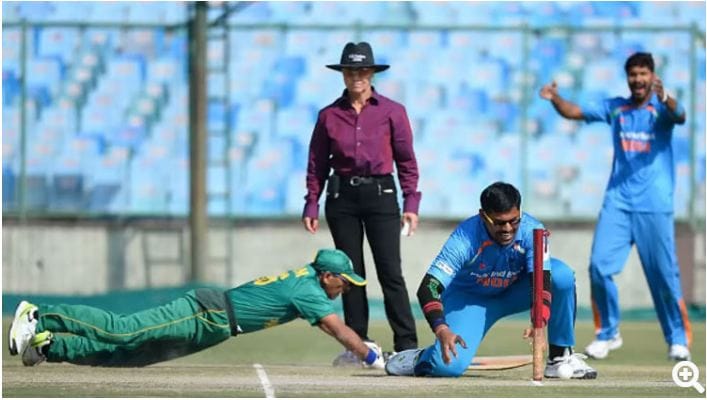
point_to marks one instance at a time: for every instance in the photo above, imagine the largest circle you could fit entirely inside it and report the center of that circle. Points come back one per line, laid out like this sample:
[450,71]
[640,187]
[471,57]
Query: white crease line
[264,381]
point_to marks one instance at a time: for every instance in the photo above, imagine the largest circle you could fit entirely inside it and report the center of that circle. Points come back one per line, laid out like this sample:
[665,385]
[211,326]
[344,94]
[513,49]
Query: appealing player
[638,205]
[482,274]
[200,319]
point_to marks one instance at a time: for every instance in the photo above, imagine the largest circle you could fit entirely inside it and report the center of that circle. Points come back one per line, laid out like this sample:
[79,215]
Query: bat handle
[538,354]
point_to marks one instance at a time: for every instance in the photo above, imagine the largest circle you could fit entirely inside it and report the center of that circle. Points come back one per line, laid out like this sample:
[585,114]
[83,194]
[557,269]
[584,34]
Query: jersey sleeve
[597,111]
[454,254]
[311,302]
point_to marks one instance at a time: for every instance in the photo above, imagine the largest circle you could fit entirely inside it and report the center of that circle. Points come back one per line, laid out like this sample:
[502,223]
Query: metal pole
[524,104]
[692,127]
[23,124]
[197,143]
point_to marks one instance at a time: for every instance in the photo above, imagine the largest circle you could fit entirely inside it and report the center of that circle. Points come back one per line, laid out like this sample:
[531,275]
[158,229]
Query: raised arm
[670,102]
[565,108]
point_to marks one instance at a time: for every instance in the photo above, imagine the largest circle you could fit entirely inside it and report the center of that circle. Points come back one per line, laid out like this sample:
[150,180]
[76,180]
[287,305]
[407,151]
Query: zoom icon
[686,374]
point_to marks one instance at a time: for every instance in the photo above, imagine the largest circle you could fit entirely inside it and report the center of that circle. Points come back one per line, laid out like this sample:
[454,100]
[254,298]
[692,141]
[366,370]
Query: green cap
[337,262]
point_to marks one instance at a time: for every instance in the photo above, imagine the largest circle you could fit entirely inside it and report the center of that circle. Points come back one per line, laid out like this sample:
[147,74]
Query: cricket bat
[539,252]
[499,363]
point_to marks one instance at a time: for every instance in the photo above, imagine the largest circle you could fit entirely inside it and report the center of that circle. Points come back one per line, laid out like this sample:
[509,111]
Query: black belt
[210,298]
[363,180]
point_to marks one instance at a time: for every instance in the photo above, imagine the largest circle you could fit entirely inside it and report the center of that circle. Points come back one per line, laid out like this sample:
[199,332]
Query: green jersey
[275,300]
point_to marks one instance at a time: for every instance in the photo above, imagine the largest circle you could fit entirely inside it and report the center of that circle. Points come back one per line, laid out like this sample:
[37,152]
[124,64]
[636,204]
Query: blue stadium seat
[9,185]
[296,121]
[493,76]
[10,87]
[58,42]
[253,12]
[67,193]
[505,46]
[45,72]
[294,194]
[424,97]
[385,42]
[33,11]
[462,89]
[433,13]
[109,12]
[36,192]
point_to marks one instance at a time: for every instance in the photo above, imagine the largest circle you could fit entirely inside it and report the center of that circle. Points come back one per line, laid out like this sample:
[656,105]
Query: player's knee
[562,276]
[452,370]
[434,366]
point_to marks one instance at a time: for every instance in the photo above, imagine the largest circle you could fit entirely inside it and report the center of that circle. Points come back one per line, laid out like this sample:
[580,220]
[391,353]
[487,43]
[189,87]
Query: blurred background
[96,130]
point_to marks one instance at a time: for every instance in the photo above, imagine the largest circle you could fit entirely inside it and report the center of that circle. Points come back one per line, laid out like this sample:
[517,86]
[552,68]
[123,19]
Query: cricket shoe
[403,363]
[388,354]
[679,352]
[581,370]
[22,328]
[599,349]
[35,354]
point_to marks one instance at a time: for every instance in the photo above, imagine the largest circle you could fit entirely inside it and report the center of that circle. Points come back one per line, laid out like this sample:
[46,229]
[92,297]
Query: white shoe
[581,370]
[679,352]
[599,349]
[22,328]
[33,354]
[403,363]
[348,359]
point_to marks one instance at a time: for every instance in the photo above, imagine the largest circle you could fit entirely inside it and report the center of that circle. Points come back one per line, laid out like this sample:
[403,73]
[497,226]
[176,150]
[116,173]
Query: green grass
[297,360]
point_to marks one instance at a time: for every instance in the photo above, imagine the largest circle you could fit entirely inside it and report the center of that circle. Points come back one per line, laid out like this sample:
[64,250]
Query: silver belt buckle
[355,181]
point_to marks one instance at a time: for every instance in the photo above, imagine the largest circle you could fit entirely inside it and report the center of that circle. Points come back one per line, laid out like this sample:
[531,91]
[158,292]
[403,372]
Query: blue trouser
[654,235]
[471,315]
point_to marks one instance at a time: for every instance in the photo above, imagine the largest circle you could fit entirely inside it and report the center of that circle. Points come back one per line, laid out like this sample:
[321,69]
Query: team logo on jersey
[636,142]
[444,267]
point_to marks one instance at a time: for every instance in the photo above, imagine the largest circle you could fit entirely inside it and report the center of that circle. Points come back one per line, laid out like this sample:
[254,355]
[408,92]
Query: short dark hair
[500,197]
[640,59]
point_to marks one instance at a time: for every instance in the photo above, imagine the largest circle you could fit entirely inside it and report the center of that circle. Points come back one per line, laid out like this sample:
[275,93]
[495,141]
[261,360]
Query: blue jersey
[473,260]
[643,170]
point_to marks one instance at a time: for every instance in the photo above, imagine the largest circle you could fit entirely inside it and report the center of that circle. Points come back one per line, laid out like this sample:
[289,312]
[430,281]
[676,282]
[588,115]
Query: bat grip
[538,353]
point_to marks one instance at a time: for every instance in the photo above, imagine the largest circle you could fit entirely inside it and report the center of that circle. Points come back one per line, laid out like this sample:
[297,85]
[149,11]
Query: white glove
[379,363]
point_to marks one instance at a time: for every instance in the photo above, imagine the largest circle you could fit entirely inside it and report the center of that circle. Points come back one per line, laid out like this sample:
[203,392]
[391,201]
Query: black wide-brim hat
[358,56]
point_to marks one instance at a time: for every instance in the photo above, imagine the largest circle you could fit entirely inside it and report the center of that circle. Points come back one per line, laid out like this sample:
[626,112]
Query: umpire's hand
[310,224]
[411,220]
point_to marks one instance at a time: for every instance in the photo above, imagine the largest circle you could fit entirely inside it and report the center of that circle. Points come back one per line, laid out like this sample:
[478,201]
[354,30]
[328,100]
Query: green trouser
[187,325]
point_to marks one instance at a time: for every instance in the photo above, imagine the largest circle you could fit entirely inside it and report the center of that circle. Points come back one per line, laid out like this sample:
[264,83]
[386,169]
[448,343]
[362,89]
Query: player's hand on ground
[448,341]
[379,363]
[310,224]
[549,91]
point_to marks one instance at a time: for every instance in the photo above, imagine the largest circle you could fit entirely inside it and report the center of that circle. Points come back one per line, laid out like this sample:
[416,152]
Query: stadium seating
[107,108]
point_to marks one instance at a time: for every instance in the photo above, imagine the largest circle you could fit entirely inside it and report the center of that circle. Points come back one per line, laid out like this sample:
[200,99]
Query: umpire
[362,136]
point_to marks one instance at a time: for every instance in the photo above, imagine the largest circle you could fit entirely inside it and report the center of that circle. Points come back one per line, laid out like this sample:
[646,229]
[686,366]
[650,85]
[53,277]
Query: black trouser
[372,207]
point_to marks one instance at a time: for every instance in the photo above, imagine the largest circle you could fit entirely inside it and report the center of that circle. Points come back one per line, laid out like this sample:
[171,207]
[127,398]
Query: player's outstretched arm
[563,107]
[334,326]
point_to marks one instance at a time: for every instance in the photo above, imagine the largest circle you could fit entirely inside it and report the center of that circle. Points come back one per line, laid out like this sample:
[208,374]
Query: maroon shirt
[362,144]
